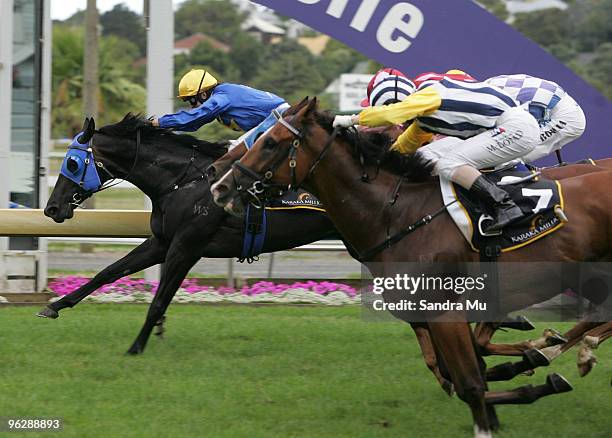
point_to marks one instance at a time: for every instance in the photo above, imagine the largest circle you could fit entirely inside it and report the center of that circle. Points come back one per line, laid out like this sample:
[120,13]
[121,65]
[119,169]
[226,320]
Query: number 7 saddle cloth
[540,200]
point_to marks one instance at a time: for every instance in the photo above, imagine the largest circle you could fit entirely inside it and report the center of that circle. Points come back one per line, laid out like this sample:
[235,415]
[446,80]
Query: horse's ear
[88,130]
[85,124]
[312,105]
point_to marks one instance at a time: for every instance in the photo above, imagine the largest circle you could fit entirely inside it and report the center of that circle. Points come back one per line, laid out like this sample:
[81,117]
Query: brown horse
[483,331]
[303,149]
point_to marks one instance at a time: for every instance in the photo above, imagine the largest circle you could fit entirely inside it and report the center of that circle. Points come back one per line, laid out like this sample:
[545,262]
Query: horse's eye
[269,143]
[72,165]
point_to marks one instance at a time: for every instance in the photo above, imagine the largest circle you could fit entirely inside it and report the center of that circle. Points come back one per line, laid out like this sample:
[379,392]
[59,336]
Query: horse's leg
[430,356]
[591,340]
[177,264]
[454,342]
[534,357]
[148,253]
[555,384]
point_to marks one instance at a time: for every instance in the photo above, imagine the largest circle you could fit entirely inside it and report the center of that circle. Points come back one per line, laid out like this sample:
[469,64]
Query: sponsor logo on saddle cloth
[540,200]
[298,199]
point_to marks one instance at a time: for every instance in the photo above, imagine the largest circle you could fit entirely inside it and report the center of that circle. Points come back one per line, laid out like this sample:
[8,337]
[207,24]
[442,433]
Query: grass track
[259,371]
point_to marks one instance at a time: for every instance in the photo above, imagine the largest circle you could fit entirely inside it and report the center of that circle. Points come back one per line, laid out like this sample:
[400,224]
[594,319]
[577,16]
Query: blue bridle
[79,166]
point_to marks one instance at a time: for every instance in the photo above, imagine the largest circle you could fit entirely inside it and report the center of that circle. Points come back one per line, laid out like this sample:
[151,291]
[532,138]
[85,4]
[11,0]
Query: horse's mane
[374,148]
[127,128]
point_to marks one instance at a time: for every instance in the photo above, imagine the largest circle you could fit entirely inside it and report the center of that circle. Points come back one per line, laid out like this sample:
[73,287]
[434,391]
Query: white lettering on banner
[402,22]
[394,21]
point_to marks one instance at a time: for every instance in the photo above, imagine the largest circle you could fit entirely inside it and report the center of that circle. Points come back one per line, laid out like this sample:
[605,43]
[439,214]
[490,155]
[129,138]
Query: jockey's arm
[192,120]
[421,103]
[411,139]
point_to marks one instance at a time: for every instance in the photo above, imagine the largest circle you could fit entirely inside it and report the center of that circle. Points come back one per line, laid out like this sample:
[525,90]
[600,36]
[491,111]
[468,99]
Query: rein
[259,187]
[261,182]
[79,198]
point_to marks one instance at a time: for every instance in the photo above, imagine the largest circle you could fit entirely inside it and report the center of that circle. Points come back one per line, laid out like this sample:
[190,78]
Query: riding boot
[498,202]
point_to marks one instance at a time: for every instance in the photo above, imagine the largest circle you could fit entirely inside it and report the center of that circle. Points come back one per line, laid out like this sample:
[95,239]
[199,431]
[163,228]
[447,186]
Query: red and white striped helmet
[425,79]
[388,86]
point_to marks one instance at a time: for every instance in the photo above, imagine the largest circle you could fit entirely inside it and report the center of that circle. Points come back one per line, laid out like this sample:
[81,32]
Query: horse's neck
[157,167]
[361,211]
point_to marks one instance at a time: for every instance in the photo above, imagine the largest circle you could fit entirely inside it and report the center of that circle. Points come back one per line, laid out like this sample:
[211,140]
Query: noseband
[261,182]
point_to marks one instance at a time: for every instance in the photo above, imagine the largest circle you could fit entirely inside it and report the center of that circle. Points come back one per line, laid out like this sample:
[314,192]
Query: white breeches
[515,135]
[567,123]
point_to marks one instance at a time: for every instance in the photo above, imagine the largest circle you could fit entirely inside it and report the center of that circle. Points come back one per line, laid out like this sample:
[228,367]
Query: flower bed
[142,291]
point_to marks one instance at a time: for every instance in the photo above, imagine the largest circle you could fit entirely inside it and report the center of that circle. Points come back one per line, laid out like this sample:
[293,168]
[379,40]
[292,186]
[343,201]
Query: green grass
[233,371]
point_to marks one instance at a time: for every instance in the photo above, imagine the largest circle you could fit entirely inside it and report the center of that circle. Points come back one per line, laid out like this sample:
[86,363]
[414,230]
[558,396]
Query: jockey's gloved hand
[344,121]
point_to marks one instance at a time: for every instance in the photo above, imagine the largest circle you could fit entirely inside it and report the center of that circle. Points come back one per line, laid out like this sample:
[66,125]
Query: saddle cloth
[295,199]
[255,223]
[538,199]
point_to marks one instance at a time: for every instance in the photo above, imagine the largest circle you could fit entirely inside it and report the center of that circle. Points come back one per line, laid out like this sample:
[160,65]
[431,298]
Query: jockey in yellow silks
[485,127]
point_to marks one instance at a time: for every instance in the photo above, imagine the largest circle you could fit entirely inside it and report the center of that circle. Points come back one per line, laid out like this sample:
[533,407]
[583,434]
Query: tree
[289,70]
[336,59]
[119,93]
[546,27]
[218,18]
[599,70]
[496,7]
[214,60]
[124,23]
[246,55]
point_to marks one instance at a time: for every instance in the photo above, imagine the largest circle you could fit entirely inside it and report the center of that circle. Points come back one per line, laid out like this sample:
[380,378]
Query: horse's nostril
[211,172]
[51,211]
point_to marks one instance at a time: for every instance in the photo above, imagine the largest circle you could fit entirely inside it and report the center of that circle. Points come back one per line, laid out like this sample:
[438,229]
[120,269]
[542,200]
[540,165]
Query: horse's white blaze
[213,188]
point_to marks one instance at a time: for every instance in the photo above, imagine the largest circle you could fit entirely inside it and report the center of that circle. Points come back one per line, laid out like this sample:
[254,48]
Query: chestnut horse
[304,150]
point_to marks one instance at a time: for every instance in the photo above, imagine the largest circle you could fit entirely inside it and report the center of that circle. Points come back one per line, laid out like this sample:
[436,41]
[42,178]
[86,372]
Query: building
[185,46]
[25,88]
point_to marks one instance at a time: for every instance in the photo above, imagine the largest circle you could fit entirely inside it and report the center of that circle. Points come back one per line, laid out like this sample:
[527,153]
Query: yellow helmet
[456,72]
[195,82]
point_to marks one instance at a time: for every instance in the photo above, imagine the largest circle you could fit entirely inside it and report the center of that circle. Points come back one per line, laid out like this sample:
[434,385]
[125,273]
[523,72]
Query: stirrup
[481,220]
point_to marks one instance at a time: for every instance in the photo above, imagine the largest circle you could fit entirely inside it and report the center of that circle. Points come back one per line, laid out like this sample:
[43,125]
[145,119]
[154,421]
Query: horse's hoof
[586,367]
[135,350]
[448,388]
[558,383]
[536,358]
[48,312]
[555,340]
[519,323]
[528,373]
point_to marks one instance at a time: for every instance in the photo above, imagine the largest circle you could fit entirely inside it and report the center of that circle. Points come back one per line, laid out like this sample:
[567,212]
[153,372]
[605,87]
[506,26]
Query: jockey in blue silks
[238,107]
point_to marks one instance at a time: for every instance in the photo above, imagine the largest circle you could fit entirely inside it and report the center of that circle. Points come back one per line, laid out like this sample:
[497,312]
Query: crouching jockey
[486,127]
[238,107]
[387,86]
[560,118]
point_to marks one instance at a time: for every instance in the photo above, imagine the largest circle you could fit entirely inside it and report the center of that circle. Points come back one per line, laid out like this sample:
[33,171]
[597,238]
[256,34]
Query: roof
[255,23]
[517,6]
[191,41]
[315,45]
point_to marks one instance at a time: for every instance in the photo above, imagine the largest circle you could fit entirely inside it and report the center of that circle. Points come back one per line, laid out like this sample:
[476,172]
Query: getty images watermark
[420,292]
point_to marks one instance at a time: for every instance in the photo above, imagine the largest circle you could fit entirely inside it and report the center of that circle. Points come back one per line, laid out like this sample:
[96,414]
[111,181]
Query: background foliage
[580,36]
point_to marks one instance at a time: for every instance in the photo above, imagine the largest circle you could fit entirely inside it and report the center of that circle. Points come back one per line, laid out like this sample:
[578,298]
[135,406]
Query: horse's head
[78,177]
[283,157]
[224,164]
[92,159]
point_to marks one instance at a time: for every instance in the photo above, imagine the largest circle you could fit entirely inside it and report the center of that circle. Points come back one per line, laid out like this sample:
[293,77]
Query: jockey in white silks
[560,118]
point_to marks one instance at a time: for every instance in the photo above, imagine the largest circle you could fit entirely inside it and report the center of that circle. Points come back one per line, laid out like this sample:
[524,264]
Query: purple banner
[425,35]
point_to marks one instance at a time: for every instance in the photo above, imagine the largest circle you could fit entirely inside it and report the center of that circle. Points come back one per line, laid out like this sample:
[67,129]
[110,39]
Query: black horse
[185,222]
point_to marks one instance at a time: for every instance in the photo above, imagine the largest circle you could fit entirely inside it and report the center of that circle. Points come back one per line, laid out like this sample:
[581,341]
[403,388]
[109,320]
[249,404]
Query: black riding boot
[498,201]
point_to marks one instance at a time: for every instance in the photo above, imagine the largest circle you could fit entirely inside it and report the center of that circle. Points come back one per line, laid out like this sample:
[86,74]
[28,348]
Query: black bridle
[261,181]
